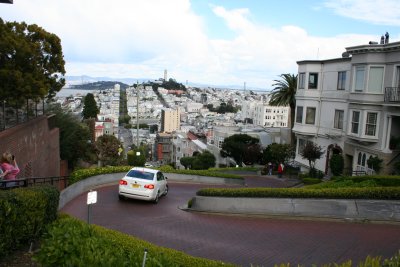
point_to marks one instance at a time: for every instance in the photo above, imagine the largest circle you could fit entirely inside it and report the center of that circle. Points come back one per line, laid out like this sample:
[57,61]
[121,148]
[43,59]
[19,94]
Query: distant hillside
[101,85]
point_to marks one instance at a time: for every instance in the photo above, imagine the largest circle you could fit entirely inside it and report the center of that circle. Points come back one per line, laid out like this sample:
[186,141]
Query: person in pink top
[10,168]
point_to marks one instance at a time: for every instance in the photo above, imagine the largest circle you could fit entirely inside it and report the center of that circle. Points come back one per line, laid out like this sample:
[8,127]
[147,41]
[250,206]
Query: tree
[107,147]
[90,109]
[252,154]
[375,163]
[234,146]
[199,161]
[284,94]
[134,159]
[74,136]
[186,162]
[31,63]
[277,153]
[204,161]
[311,152]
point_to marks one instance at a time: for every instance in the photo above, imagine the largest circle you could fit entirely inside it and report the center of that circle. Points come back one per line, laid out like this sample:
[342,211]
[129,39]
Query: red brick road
[236,239]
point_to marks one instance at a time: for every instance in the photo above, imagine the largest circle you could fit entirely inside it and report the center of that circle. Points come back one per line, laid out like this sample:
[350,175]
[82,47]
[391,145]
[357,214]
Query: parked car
[143,184]
[148,165]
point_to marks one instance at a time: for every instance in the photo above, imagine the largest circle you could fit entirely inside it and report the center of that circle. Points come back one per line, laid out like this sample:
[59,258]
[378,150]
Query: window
[397,84]
[341,80]
[299,114]
[313,81]
[338,121]
[302,80]
[310,115]
[355,122]
[359,80]
[375,79]
[302,144]
[370,125]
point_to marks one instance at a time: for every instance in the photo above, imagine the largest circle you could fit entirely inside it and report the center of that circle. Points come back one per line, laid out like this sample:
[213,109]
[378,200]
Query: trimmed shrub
[24,214]
[85,173]
[392,193]
[311,181]
[70,242]
[381,180]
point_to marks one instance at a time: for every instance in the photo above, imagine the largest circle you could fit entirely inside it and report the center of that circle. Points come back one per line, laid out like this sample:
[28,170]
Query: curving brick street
[238,239]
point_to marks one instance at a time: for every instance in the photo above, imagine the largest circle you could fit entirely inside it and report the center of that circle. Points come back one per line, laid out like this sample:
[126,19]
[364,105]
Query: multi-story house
[351,106]
[163,148]
[265,115]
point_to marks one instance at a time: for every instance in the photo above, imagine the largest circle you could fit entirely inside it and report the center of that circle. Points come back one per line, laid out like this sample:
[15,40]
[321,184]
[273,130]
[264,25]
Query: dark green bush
[311,181]
[392,193]
[85,173]
[337,164]
[375,163]
[24,213]
[381,180]
[396,168]
[70,242]
[314,173]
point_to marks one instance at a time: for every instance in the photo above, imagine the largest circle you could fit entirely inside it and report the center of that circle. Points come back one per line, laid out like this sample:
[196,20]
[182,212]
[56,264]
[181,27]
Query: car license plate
[135,185]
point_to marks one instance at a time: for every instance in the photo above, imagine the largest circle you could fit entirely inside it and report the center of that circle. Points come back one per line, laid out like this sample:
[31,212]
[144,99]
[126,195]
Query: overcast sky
[216,42]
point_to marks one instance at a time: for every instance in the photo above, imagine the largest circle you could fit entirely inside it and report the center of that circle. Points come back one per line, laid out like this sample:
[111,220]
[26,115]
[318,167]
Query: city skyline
[220,43]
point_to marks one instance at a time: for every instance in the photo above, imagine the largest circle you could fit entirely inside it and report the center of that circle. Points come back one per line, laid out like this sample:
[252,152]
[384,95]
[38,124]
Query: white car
[143,184]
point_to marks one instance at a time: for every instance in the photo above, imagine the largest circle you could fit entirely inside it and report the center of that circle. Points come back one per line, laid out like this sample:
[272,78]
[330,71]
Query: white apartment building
[351,105]
[193,107]
[170,120]
[265,115]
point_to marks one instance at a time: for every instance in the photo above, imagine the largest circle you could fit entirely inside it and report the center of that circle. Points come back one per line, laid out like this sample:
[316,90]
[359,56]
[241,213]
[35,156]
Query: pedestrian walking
[281,168]
[270,167]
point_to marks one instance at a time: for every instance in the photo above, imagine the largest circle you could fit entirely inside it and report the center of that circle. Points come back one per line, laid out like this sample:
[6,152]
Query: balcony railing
[392,94]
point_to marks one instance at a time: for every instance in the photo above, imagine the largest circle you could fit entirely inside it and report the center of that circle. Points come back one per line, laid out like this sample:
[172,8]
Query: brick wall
[36,147]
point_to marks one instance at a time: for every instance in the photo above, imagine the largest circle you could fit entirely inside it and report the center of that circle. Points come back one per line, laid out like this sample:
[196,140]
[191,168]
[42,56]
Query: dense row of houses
[348,105]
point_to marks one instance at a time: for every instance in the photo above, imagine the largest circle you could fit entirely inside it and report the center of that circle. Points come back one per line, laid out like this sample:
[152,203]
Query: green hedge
[85,173]
[24,213]
[392,193]
[70,242]
[311,180]
[381,180]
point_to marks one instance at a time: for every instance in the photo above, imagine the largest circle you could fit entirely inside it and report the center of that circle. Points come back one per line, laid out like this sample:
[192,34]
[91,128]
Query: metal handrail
[60,182]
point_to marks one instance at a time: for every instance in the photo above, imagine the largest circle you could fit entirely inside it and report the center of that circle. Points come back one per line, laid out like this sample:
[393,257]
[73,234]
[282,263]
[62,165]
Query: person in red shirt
[281,167]
[10,168]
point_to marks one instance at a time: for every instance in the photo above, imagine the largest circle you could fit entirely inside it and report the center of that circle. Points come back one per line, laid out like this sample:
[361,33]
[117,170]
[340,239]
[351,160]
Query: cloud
[140,39]
[381,12]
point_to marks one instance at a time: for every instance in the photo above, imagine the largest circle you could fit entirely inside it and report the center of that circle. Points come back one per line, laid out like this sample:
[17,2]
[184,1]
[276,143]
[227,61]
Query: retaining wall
[361,209]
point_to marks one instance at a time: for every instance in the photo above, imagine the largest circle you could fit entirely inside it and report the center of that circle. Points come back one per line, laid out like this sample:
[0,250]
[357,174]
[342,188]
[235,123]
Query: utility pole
[137,115]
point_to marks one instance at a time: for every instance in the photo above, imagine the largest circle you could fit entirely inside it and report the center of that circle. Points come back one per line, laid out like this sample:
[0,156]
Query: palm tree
[284,95]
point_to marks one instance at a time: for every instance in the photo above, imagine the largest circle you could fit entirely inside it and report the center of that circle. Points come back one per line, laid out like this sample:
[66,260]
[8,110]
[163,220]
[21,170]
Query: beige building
[170,120]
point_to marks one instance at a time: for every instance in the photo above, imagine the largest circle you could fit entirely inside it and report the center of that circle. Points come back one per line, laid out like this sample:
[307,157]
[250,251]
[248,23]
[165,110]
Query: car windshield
[140,174]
